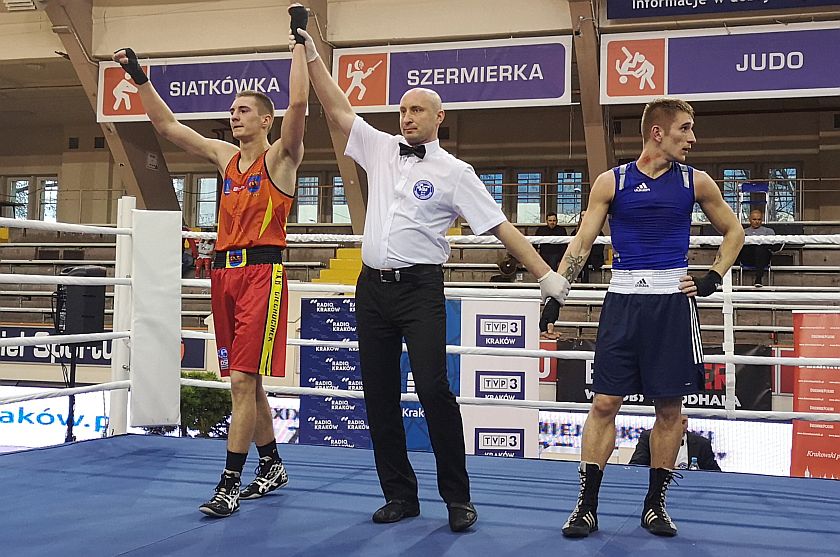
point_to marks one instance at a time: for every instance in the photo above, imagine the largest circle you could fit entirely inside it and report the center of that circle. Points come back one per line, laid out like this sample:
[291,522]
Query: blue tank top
[650,219]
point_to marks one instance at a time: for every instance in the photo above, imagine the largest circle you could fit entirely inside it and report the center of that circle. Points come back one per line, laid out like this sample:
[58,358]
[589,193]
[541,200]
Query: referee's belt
[234,258]
[403,274]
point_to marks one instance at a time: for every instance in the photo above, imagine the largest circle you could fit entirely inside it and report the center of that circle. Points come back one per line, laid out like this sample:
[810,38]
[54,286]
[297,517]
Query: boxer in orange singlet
[248,280]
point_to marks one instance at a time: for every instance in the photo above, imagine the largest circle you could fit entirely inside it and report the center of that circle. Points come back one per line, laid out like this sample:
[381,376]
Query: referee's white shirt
[412,202]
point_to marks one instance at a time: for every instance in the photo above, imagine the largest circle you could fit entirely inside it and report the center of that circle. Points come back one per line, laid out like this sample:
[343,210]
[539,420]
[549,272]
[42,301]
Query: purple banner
[784,60]
[331,421]
[482,74]
[631,9]
[211,86]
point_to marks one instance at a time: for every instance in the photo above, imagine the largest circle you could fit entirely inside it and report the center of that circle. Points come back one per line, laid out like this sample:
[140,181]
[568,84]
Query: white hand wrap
[311,51]
[553,285]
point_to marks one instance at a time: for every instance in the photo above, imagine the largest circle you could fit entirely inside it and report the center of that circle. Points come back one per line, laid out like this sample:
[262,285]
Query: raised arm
[164,122]
[600,197]
[336,106]
[289,148]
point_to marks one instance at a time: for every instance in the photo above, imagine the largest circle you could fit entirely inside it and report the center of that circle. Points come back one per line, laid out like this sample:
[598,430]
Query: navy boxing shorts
[648,338]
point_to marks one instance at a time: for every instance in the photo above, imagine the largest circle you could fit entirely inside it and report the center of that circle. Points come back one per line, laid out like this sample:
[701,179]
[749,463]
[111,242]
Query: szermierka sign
[474,74]
[771,61]
[193,88]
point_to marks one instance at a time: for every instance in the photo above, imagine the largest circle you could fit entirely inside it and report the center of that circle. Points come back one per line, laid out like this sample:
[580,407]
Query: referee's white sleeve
[474,203]
[365,143]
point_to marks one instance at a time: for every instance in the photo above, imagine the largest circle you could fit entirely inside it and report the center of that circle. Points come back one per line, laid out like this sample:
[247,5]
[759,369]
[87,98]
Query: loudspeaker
[80,309]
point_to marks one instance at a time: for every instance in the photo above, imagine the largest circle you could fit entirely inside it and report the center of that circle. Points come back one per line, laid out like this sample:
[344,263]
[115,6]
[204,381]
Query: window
[528,197]
[783,189]
[307,199]
[493,181]
[49,199]
[19,193]
[205,206]
[40,191]
[178,186]
[732,178]
[569,187]
[340,210]
[731,183]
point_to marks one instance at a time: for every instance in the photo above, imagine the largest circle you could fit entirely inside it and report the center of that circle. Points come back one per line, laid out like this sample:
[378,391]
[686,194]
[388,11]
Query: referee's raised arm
[335,103]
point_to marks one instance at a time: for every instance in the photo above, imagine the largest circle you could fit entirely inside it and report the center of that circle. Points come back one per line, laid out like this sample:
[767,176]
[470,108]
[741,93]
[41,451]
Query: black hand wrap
[706,285]
[132,67]
[299,19]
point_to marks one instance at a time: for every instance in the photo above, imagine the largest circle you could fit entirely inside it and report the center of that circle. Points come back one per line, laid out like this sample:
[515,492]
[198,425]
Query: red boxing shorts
[250,315]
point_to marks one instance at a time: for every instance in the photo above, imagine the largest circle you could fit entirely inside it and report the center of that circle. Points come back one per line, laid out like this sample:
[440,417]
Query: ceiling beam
[599,150]
[132,144]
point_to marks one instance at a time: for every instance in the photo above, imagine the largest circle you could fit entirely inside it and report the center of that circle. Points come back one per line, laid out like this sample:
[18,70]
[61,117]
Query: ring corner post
[118,413]
[156,319]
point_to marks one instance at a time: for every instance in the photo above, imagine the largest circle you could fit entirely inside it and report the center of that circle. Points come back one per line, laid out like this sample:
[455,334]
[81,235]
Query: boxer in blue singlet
[648,335]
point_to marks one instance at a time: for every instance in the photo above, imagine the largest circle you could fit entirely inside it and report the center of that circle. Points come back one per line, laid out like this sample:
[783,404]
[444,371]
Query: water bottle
[694,465]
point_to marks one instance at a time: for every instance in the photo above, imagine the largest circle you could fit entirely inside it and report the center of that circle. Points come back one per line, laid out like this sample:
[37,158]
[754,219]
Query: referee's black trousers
[414,309]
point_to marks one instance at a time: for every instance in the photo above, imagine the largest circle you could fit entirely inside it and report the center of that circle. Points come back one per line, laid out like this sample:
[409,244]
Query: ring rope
[63,227]
[537,404]
[558,354]
[63,279]
[532,293]
[694,241]
[114,385]
[63,339]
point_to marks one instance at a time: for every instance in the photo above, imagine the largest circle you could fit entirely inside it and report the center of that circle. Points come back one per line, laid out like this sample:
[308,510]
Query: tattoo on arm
[576,263]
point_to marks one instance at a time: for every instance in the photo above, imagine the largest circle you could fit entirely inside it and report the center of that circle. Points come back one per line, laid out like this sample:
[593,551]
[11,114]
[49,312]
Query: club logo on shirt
[253,183]
[227,186]
[423,190]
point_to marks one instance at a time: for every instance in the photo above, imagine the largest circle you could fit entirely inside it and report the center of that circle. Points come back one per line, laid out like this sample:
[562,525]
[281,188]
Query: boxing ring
[138,495]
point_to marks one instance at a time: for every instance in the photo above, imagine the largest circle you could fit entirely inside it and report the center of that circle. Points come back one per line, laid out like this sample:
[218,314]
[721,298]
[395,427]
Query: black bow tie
[418,151]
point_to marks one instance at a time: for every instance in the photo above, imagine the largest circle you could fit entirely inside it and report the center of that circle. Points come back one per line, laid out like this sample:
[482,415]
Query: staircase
[344,268]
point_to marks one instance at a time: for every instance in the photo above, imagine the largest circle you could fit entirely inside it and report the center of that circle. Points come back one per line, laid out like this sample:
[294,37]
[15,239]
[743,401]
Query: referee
[415,191]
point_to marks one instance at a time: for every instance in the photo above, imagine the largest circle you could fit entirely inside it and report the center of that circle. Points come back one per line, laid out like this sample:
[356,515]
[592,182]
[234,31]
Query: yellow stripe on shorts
[272,320]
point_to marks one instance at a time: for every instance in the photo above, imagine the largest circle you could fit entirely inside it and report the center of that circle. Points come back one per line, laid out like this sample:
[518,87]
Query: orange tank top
[252,211]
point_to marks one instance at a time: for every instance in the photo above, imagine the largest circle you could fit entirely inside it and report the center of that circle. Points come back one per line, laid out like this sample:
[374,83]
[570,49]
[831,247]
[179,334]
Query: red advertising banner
[815,451]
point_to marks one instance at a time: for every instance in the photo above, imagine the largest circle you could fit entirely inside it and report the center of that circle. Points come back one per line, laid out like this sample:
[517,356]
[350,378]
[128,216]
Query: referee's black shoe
[395,510]
[654,516]
[584,519]
[461,516]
